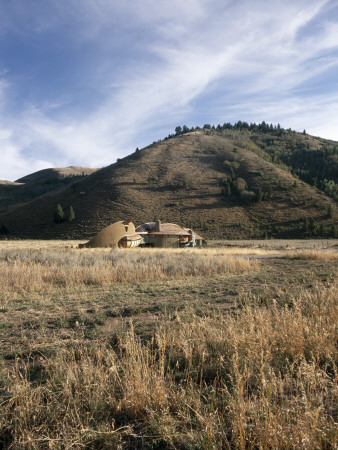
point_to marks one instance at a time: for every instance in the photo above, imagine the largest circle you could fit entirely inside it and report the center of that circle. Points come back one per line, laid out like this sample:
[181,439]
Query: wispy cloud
[129,72]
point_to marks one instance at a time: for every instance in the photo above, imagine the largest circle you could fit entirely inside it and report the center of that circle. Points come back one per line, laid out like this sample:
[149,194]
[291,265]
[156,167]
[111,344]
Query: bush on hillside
[247,196]
[240,185]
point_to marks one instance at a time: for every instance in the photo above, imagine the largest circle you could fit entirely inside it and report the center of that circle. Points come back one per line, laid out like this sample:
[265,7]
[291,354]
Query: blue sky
[84,82]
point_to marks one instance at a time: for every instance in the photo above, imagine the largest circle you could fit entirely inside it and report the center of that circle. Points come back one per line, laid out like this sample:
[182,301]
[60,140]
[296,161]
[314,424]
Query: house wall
[161,240]
[166,241]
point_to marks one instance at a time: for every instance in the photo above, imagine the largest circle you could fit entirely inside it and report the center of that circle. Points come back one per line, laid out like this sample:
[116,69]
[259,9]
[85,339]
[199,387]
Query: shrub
[270,192]
[259,195]
[230,156]
[240,184]
[227,165]
[247,196]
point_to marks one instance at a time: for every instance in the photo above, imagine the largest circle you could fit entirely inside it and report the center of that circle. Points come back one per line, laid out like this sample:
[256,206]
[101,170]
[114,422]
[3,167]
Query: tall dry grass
[30,270]
[261,378]
[37,244]
[315,255]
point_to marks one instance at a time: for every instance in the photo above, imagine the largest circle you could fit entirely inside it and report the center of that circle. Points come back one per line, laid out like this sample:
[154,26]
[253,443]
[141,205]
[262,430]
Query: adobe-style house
[157,234]
[151,234]
[118,234]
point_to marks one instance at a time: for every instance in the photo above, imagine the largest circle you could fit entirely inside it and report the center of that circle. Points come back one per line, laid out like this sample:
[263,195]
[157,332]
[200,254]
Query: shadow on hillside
[132,183]
[217,204]
[212,161]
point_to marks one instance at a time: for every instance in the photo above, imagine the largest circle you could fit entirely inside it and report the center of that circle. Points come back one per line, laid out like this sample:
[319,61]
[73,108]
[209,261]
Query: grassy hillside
[221,182]
[37,184]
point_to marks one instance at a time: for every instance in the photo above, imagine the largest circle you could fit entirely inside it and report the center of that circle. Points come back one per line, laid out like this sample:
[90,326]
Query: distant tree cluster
[312,229]
[261,127]
[60,216]
[318,167]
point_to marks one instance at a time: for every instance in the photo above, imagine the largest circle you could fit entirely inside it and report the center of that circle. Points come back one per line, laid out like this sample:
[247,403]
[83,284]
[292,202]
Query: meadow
[229,346]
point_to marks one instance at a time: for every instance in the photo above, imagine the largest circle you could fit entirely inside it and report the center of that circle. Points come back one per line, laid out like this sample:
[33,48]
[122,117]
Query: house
[157,234]
[118,234]
[196,239]
[151,234]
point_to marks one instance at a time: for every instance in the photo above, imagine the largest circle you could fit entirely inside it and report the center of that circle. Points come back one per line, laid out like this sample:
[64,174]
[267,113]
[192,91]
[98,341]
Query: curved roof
[166,228]
[111,235]
[146,227]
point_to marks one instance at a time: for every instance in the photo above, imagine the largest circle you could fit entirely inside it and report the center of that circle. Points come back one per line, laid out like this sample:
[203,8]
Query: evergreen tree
[306,225]
[321,230]
[228,190]
[71,214]
[334,231]
[312,225]
[59,214]
[330,211]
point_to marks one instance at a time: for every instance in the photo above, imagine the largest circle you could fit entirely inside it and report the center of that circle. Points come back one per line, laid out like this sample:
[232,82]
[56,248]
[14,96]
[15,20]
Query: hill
[56,174]
[225,183]
[38,183]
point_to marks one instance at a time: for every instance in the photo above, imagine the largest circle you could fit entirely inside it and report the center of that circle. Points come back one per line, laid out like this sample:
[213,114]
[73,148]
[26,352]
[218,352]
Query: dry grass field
[220,347]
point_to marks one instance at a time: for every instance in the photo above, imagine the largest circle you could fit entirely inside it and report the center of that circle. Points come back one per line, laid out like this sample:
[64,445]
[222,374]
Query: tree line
[263,127]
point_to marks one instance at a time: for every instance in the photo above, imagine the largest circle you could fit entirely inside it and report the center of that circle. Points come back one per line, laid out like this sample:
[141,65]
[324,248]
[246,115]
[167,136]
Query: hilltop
[38,183]
[224,182]
[54,174]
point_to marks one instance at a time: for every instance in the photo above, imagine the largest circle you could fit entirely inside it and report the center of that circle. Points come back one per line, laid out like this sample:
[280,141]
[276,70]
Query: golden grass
[246,251]
[260,378]
[30,270]
[245,246]
[315,255]
[38,244]
[275,244]
[250,377]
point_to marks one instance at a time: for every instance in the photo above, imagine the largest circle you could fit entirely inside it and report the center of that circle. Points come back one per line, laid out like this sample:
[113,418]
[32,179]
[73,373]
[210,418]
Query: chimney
[158,225]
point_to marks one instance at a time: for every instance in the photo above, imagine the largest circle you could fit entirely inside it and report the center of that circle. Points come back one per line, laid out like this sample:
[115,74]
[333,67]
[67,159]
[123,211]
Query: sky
[84,82]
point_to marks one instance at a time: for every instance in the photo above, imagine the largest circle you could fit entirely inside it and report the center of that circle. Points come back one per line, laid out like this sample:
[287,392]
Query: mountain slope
[185,179]
[55,173]
[38,183]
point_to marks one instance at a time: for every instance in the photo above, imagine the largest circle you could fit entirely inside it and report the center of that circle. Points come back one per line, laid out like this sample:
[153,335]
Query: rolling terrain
[225,184]
[38,183]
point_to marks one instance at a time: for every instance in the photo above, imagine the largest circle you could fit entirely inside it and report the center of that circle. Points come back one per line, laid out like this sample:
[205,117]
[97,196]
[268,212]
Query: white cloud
[160,60]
